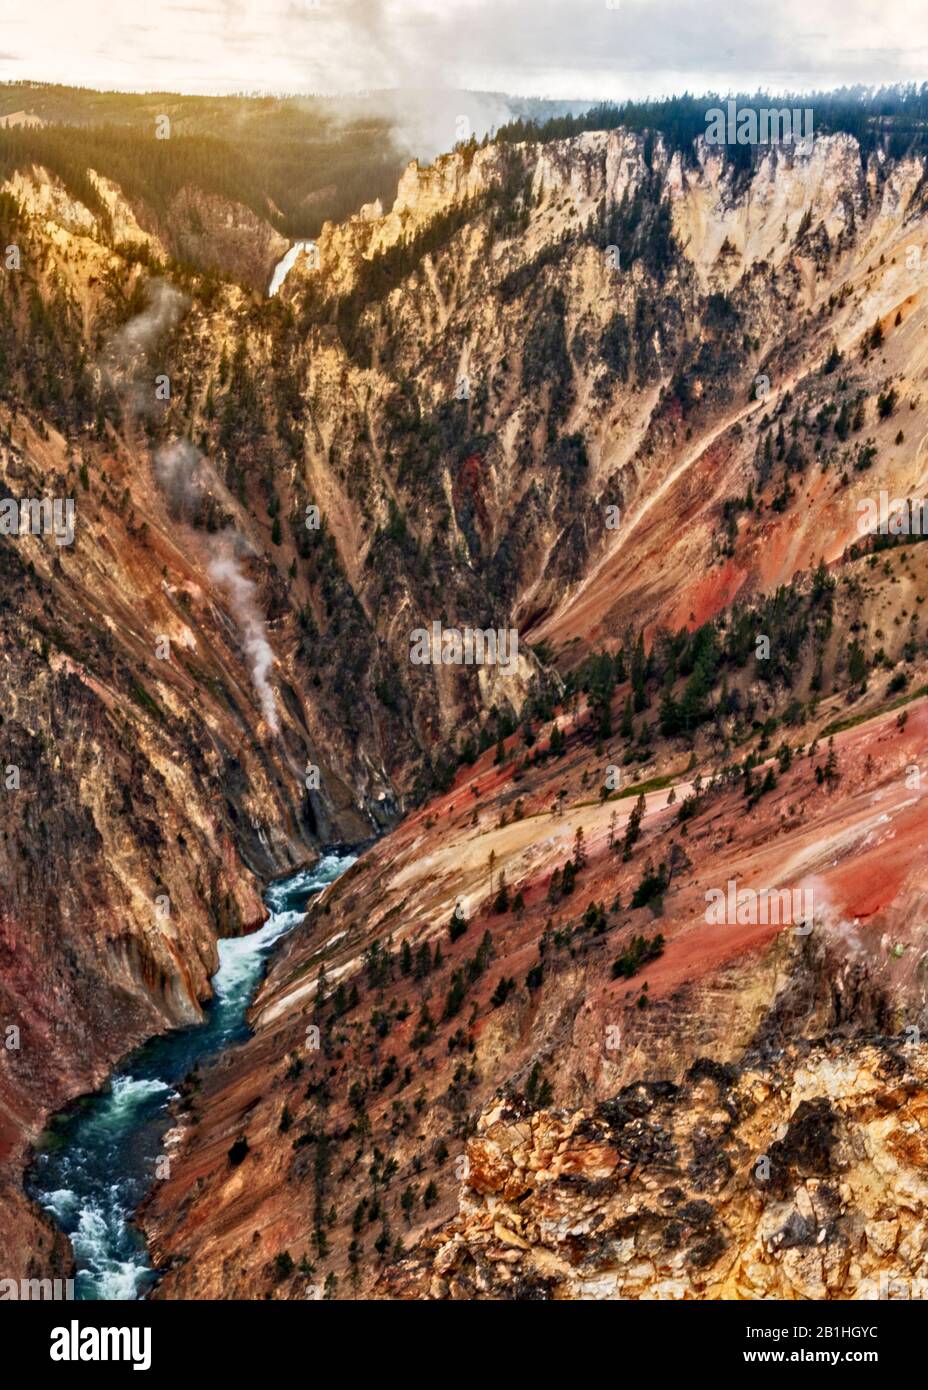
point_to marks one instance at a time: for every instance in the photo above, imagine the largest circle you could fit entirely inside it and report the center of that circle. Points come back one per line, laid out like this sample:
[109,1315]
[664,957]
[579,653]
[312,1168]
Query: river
[97,1159]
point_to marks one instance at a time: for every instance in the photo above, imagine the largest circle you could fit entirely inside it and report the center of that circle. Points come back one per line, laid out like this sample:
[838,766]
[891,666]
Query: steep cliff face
[552,383]
[212,231]
[145,796]
[140,797]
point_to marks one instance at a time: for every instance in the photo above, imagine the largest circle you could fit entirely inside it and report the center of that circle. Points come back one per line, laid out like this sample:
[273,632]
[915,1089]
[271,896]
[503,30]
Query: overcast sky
[556,48]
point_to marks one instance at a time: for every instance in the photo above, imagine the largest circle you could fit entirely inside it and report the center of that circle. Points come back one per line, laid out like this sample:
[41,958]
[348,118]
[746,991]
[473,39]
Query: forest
[289,162]
[892,119]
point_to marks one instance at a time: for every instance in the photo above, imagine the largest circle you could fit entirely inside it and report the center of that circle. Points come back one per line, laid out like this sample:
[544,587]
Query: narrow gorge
[330,973]
[98,1159]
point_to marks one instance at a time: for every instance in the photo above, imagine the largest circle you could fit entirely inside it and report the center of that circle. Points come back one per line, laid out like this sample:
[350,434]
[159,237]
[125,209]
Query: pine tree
[856,664]
[423,961]
[695,696]
[767,466]
[633,828]
[321,988]
[502,897]
[638,675]
[669,713]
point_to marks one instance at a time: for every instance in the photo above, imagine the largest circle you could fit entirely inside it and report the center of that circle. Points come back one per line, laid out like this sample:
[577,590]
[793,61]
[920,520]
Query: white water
[103,1161]
[286,264]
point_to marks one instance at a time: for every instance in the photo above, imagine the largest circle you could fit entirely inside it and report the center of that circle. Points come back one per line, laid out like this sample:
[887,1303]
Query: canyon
[505,1055]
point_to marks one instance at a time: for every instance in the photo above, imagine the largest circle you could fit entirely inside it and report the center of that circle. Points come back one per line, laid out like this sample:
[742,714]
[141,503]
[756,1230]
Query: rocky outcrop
[802,1179]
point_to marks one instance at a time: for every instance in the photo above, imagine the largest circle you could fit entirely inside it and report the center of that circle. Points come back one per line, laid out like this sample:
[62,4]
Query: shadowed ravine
[98,1158]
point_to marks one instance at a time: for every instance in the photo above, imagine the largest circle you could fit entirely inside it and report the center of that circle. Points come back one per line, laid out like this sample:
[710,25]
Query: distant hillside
[292,162]
[295,161]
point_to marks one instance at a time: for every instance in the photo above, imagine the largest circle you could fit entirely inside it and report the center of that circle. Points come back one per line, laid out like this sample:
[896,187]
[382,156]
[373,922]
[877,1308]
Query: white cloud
[558,48]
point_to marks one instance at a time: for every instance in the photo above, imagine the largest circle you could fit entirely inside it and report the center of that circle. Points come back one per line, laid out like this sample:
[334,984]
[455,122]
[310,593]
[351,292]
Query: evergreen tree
[633,828]
[639,665]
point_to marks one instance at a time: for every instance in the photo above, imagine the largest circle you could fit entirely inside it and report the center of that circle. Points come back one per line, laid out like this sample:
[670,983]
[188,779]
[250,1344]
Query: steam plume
[165,305]
[224,569]
[185,477]
[126,352]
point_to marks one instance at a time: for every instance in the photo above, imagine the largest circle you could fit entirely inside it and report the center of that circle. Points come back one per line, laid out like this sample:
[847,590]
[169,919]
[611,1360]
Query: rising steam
[185,477]
[163,311]
[225,570]
[126,352]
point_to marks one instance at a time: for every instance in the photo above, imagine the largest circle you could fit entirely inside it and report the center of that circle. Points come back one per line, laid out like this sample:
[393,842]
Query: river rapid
[98,1158]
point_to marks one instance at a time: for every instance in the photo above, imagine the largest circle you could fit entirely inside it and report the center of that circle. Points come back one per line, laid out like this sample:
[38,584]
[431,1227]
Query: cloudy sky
[557,48]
